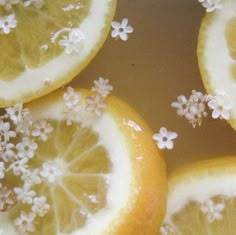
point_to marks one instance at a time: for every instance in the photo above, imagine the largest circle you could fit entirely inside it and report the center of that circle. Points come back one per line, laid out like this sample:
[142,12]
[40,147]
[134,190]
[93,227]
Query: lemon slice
[105,174]
[45,44]
[202,199]
[217,54]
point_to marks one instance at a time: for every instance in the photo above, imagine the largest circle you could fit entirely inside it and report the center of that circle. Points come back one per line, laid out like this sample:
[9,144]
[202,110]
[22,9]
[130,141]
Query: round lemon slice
[44,44]
[99,174]
[202,199]
[217,54]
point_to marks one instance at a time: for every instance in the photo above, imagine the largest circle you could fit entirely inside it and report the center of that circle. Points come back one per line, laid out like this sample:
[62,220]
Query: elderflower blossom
[164,139]
[95,104]
[7,4]
[213,211]
[35,3]
[167,229]
[5,131]
[211,5]
[25,223]
[72,42]
[71,97]
[24,194]
[7,153]
[26,148]
[7,23]
[121,30]
[40,206]
[42,129]
[102,87]
[2,170]
[31,177]
[17,113]
[50,171]
[7,198]
[19,167]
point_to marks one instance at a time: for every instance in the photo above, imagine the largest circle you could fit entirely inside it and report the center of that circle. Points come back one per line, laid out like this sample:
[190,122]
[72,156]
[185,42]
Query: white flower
[211,5]
[181,105]
[102,87]
[5,131]
[50,171]
[31,177]
[42,129]
[25,223]
[17,113]
[165,138]
[221,109]
[212,210]
[7,198]
[71,97]
[26,148]
[72,42]
[40,206]
[95,104]
[24,194]
[24,127]
[2,170]
[7,23]
[35,3]
[19,167]
[167,229]
[120,30]
[7,4]
[6,152]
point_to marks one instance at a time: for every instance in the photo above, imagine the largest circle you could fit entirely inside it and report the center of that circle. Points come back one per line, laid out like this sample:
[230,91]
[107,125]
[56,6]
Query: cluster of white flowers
[167,229]
[18,145]
[194,108]
[211,5]
[212,210]
[95,103]
[9,21]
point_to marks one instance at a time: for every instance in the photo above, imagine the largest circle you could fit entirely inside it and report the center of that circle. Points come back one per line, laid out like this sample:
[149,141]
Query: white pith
[120,178]
[33,80]
[216,55]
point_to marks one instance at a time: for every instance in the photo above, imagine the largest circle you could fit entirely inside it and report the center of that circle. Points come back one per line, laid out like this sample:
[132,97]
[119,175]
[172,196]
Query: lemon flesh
[217,53]
[33,62]
[189,189]
[111,171]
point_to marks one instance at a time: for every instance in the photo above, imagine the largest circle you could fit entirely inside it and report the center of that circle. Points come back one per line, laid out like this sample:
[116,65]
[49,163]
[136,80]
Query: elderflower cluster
[75,102]
[211,5]
[19,137]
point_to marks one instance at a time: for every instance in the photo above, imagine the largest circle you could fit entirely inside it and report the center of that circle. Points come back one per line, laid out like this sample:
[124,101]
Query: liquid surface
[157,64]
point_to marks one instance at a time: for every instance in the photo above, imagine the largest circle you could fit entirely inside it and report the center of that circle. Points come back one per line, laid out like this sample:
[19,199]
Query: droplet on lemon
[217,54]
[110,176]
[202,199]
[50,45]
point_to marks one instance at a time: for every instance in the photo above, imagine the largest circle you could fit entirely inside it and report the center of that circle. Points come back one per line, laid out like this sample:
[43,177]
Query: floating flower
[31,177]
[25,223]
[2,170]
[95,104]
[7,153]
[40,206]
[26,148]
[24,194]
[7,4]
[17,113]
[212,210]
[165,138]
[5,131]
[42,129]
[71,97]
[50,171]
[211,5]
[167,229]
[121,30]
[19,167]
[72,42]
[7,23]
[7,198]
[102,87]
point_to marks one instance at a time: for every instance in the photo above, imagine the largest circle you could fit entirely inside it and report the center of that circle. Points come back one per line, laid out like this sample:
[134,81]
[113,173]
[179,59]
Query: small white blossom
[121,30]
[7,198]
[72,42]
[42,129]
[24,194]
[7,153]
[71,97]
[2,170]
[40,206]
[5,131]
[17,113]
[7,23]
[95,104]
[167,229]
[24,127]
[7,4]
[212,210]
[19,167]
[211,5]
[221,109]
[102,87]
[165,138]
[35,3]
[31,177]
[50,172]
[26,148]
[25,223]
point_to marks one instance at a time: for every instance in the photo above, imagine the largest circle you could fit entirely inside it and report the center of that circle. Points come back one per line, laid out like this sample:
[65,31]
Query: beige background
[154,66]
